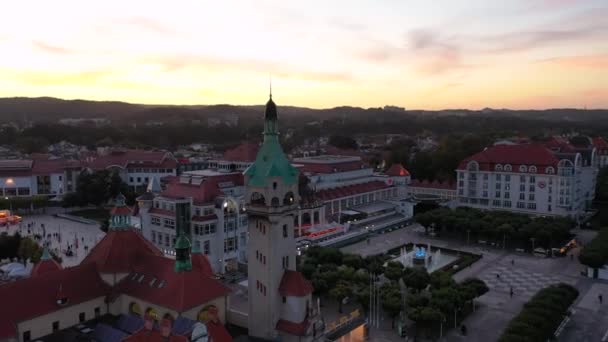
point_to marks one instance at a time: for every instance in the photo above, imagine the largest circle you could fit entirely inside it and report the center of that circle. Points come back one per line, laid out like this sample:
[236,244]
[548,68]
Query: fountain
[421,256]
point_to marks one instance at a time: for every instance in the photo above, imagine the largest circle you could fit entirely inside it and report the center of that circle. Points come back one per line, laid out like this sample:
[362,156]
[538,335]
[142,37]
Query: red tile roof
[181,291]
[600,143]
[201,262]
[397,170]
[45,266]
[124,210]
[350,190]
[294,284]
[297,329]
[245,152]
[37,296]
[218,332]
[432,185]
[559,144]
[515,155]
[202,193]
[159,211]
[119,250]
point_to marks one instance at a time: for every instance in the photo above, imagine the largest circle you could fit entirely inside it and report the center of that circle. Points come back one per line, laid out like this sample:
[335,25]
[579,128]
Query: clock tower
[279,296]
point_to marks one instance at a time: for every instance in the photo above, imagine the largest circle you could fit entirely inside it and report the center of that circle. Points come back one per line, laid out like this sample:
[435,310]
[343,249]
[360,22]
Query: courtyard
[503,271]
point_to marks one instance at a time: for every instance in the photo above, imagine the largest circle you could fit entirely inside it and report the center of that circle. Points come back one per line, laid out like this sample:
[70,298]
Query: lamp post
[10,204]
[532,239]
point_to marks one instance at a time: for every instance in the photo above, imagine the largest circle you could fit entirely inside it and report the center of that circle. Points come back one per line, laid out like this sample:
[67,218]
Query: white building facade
[528,179]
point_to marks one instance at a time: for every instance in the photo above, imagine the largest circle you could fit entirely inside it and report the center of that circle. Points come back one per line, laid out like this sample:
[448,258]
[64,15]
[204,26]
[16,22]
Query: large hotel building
[550,178]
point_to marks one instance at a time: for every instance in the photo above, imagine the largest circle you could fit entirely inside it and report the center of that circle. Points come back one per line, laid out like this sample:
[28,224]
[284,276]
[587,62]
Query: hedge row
[541,316]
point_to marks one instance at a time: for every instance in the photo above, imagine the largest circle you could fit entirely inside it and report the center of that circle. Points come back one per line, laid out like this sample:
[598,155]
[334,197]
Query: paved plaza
[60,233]
[524,273]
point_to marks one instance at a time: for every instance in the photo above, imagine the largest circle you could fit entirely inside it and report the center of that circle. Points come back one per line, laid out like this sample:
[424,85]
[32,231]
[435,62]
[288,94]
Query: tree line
[499,227]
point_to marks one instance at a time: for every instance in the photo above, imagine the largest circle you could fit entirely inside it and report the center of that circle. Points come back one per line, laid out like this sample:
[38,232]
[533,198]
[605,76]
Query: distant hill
[48,109]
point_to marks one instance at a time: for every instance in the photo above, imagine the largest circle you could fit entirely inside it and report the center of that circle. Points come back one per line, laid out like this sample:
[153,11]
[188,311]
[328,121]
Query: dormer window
[498,167]
[532,169]
[523,168]
[507,168]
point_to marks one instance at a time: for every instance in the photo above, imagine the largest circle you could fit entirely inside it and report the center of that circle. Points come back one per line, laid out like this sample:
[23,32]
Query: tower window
[284,299]
[274,185]
[284,230]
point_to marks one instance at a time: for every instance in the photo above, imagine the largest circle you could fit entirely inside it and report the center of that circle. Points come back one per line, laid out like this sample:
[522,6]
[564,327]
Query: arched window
[473,166]
[258,199]
[508,168]
[288,199]
[550,170]
[498,167]
[532,169]
[274,202]
[523,168]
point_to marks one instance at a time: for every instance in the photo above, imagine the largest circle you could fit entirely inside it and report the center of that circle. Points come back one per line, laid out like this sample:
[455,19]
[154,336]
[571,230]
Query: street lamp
[10,204]
[532,239]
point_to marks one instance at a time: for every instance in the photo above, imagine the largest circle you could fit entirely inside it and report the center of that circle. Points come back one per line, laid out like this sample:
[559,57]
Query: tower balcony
[263,209]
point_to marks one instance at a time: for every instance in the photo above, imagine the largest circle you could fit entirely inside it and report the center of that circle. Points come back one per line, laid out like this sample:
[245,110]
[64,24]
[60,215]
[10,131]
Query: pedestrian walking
[497,275]
[511,292]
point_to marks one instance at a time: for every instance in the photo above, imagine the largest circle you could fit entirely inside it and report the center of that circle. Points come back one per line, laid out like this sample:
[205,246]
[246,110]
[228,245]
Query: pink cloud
[591,61]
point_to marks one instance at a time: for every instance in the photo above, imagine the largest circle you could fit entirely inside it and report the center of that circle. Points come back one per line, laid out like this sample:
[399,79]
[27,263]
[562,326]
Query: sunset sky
[417,54]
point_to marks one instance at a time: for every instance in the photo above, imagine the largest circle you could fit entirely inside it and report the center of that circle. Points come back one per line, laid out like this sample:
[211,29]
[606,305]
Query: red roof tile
[397,170]
[119,250]
[600,143]
[37,296]
[201,262]
[45,266]
[181,291]
[218,332]
[297,329]
[159,211]
[205,192]
[515,155]
[245,152]
[124,210]
[294,284]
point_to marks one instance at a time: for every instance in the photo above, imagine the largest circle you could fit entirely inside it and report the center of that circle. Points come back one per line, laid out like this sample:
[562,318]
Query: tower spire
[270,85]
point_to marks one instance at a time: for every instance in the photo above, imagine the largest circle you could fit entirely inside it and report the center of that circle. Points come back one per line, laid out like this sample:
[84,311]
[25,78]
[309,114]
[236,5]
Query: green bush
[541,315]
[595,253]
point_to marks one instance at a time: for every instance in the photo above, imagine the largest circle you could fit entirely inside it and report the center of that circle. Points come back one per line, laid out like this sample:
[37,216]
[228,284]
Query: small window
[284,299]
[284,230]
[81,317]
[161,284]
[152,282]
[55,326]
[274,185]
[27,336]
[97,312]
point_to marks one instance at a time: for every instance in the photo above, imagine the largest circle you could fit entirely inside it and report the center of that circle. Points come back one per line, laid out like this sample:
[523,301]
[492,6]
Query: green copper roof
[182,254]
[271,160]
